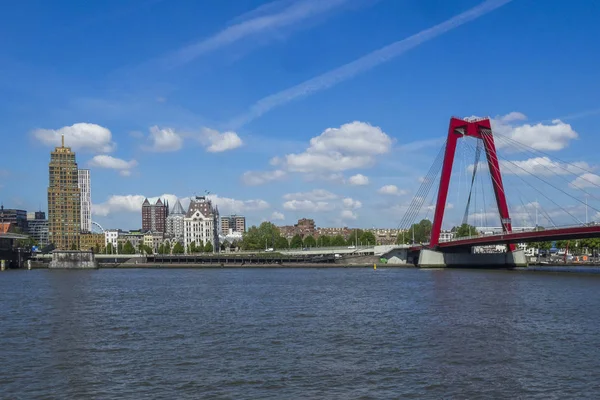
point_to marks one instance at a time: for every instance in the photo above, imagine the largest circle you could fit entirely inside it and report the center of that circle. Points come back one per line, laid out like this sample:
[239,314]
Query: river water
[298,333]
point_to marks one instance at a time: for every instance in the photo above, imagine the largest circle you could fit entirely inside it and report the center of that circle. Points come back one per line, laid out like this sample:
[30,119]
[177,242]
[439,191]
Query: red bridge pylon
[480,129]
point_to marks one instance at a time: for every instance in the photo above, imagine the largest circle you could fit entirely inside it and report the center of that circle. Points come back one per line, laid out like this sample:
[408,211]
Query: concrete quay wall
[72,259]
[436,259]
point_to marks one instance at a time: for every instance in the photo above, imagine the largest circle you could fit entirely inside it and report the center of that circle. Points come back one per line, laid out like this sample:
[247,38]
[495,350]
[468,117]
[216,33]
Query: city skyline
[307,117]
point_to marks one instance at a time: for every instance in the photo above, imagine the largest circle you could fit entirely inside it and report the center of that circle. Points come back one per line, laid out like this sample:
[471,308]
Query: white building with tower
[200,225]
[85,188]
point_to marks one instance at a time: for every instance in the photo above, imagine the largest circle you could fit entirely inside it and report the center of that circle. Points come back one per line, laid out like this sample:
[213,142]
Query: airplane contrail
[364,63]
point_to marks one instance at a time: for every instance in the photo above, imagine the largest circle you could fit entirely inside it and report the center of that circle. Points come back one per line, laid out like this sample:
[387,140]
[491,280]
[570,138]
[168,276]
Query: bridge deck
[579,232]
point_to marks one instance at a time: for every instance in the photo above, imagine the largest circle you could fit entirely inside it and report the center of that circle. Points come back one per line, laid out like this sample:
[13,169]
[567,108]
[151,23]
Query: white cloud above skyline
[352,145]
[81,136]
[105,161]
[217,142]
[164,140]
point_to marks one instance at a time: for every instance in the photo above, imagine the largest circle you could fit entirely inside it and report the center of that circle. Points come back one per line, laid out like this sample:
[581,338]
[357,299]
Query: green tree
[563,244]
[120,248]
[338,241]
[192,248]
[310,241]
[421,232]
[354,237]
[168,247]
[367,238]
[73,246]
[281,243]
[464,230]
[109,248]
[324,241]
[268,233]
[178,248]
[251,239]
[540,245]
[296,242]
[128,248]
[208,247]
[161,249]
[97,249]
[403,238]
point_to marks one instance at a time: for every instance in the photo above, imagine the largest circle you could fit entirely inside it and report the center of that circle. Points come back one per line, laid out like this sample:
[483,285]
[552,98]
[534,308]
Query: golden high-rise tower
[64,206]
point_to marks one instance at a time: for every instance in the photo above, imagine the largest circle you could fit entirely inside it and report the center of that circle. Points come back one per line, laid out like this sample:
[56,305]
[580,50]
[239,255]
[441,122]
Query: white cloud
[365,63]
[119,203]
[104,161]
[351,203]
[513,116]
[133,204]
[266,18]
[586,180]
[80,137]
[164,140]
[553,137]
[348,214]
[540,166]
[358,180]
[233,206]
[391,190]
[352,145]
[218,142]
[308,205]
[254,178]
[277,216]
[313,195]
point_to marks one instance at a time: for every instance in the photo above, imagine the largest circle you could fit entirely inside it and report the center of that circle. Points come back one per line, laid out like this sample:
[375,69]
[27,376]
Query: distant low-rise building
[37,228]
[154,240]
[135,238]
[111,236]
[17,217]
[93,241]
[305,227]
[233,223]
[345,232]
[446,236]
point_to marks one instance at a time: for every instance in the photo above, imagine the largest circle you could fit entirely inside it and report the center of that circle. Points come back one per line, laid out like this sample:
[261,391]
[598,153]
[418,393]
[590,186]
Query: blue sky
[276,107]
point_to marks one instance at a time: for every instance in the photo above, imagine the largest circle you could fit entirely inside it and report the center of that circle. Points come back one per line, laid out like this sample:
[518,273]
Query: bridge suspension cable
[550,184]
[422,193]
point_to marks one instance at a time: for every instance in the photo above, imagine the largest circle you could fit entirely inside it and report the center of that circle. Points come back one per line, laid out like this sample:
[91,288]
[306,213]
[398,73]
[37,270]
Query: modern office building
[17,217]
[37,228]
[175,222]
[154,216]
[85,188]
[233,223]
[201,224]
[64,200]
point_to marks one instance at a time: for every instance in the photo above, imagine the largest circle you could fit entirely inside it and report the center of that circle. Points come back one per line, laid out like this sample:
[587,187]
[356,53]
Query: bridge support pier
[437,259]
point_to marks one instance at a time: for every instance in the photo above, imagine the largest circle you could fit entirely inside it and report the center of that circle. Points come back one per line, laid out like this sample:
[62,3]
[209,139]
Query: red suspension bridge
[459,251]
